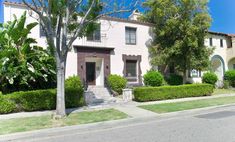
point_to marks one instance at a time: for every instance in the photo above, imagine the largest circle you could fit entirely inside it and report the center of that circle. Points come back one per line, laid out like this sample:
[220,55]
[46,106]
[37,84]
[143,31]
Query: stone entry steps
[99,95]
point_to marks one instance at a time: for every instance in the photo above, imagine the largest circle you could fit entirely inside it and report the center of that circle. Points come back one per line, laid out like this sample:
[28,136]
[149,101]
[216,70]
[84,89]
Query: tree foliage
[180,27]
[23,64]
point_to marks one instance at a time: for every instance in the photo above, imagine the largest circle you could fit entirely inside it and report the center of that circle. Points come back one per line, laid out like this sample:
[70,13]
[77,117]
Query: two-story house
[120,46]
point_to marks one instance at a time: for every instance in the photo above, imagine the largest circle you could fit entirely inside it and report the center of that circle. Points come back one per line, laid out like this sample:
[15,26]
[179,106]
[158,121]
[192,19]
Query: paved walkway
[129,108]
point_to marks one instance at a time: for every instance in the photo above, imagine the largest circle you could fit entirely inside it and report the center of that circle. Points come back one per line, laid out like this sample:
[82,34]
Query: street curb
[99,126]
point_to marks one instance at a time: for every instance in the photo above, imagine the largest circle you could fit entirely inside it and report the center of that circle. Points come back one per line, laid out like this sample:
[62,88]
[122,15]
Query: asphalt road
[215,125]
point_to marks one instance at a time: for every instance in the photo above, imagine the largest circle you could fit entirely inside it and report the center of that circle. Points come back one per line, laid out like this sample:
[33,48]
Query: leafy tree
[23,65]
[180,27]
[64,21]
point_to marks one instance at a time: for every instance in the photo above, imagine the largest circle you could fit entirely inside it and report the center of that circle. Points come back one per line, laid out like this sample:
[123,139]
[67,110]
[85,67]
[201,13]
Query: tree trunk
[184,76]
[60,100]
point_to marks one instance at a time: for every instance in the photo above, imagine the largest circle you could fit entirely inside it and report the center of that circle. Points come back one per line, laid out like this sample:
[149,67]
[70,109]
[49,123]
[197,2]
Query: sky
[222,12]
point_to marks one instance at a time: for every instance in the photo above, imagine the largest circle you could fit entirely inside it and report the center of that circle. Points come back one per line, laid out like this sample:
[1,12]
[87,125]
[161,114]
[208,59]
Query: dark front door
[90,73]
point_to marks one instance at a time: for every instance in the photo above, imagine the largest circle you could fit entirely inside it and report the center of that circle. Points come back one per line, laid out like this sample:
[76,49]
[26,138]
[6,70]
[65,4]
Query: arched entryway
[218,66]
[231,64]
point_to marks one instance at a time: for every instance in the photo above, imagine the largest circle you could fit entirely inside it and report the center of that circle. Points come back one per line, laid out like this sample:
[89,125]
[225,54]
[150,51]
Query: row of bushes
[154,78]
[143,94]
[229,78]
[42,99]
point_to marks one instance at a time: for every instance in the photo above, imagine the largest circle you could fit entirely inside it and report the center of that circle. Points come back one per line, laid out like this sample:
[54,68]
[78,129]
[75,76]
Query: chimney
[135,15]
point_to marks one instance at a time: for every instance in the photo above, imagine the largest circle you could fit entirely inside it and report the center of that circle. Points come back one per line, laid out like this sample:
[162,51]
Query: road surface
[214,125]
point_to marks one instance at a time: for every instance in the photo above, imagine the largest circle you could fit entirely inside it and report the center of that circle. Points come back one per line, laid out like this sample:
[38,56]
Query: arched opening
[217,64]
[231,64]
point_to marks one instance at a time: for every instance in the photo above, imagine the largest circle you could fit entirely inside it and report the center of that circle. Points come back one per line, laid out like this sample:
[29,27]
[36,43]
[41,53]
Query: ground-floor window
[131,70]
[195,73]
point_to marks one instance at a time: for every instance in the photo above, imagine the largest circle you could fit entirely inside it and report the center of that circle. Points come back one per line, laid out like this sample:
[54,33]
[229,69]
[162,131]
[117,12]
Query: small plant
[210,78]
[153,78]
[174,79]
[226,84]
[74,92]
[117,83]
[230,77]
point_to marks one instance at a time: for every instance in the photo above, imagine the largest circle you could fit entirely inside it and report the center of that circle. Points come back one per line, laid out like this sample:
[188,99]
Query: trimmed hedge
[117,83]
[42,99]
[144,94]
[6,106]
[33,100]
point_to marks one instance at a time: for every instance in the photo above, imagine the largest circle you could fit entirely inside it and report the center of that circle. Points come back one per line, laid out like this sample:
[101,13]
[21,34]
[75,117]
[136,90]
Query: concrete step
[96,95]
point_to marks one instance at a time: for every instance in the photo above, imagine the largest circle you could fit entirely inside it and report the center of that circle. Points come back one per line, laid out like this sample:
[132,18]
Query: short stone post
[127,95]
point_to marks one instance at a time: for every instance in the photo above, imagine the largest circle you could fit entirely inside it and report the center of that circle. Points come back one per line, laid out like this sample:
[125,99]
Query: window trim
[127,27]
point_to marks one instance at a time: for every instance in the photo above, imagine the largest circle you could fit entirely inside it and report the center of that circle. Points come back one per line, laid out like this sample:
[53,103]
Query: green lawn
[223,91]
[34,123]
[179,106]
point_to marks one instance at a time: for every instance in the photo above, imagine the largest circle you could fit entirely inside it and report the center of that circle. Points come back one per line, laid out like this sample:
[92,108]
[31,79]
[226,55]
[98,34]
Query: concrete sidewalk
[130,108]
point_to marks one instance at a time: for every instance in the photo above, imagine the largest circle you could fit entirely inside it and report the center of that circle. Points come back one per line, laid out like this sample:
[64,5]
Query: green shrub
[117,83]
[174,79]
[44,99]
[143,94]
[34,100]
[230,77]
[153,78]
[6,106]
[74,92]
[210,78]
[226,84]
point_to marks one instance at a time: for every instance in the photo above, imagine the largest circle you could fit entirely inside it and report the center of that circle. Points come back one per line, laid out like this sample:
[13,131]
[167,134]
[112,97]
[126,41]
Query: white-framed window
[130,35]
[195,73]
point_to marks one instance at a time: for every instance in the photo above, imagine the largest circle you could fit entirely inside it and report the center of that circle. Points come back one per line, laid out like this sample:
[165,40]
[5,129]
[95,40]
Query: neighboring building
[120,46]
[223,57]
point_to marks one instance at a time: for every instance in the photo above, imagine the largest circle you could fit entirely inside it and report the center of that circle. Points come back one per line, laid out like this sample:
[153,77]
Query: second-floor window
[95,35]
[130,35]
[211,42]
[221,43]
